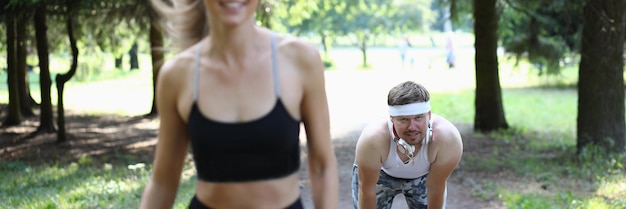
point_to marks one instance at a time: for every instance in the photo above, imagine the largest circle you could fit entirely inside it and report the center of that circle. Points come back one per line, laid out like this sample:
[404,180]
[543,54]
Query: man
[412,152]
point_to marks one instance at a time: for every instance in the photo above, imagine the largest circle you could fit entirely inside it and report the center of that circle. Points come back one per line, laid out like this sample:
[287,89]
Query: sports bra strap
[275,67]
[195,72]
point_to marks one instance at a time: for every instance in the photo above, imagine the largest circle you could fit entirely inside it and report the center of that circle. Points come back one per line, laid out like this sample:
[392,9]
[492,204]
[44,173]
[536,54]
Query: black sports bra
[261,149]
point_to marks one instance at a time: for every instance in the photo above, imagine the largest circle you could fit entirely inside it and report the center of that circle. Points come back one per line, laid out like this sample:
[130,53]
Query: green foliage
[281,15]
[328,63]
[543,32]
[458,11]
[90,66]
[21,3]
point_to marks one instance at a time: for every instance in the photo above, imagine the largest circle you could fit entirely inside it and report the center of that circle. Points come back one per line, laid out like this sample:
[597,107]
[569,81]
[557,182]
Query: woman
[237,96]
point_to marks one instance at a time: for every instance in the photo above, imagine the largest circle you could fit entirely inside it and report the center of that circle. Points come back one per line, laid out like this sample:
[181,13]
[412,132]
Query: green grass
[538,150]
[100,186]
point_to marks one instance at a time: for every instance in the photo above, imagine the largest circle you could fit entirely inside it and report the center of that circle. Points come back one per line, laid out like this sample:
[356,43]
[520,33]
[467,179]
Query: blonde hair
[185,22]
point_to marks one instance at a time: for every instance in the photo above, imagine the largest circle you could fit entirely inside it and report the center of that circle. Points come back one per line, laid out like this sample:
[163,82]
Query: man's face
[411,128]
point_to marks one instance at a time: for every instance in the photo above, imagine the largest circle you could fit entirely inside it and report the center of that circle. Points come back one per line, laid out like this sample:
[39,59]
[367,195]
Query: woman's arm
[322,161]
[171,147]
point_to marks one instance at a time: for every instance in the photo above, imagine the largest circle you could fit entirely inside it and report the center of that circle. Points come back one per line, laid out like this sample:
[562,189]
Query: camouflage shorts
[387,187]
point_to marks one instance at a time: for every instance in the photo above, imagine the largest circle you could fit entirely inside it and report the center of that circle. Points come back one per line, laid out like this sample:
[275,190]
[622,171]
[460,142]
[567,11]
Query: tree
[46,118]
[117,37]
[601,83]
[327,23]
[489,115]
[368,19]
[15,15]
[61,79]
[21,66]
[14,116]
[544,32]
[132,53]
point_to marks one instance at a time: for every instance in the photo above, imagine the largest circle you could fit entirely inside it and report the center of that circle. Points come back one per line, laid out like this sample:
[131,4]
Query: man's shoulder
[373,143]
[374,130]
[446,130]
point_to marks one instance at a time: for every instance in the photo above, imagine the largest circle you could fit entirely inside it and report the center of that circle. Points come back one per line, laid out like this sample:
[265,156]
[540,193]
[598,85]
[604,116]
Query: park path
[356,97]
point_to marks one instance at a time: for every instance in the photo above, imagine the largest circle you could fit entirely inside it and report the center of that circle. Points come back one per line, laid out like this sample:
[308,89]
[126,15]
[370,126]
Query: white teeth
[233,4]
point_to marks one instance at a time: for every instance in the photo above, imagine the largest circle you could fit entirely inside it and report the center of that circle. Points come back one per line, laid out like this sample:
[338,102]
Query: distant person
[433,46]
[237,97]
[450,57]
[403,47]
[413,152]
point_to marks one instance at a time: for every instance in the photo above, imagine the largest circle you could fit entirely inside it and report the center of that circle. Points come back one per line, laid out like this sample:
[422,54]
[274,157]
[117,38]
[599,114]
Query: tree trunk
[489,110]
[363,47]
[118,62]
[134,61]
[46,124]
[14,116]
[325,44]
[156,46]
[61,79]
[25,103]
[601,84]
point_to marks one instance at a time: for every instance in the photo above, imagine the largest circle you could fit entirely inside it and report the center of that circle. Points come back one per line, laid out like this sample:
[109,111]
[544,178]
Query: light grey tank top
[396,168]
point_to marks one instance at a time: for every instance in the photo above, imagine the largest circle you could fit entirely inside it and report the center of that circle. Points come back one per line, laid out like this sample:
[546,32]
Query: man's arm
[447,158]
[369,162]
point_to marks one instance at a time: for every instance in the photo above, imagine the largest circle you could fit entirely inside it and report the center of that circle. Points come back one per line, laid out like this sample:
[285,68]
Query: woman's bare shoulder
[177,66]
[302,51]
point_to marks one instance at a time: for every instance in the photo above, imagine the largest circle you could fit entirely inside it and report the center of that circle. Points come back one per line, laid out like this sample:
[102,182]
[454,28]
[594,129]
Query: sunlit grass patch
[78,185]
[613,188]
[454,106]
[514,200]
[555,175]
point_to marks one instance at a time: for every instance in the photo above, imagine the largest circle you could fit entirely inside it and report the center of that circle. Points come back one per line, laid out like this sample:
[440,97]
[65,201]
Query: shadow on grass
[104,138]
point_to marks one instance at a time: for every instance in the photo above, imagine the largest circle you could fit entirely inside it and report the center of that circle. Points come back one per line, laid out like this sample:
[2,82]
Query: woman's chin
[233,21]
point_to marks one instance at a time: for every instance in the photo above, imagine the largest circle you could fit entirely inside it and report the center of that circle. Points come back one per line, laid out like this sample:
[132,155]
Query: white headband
[409,109]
